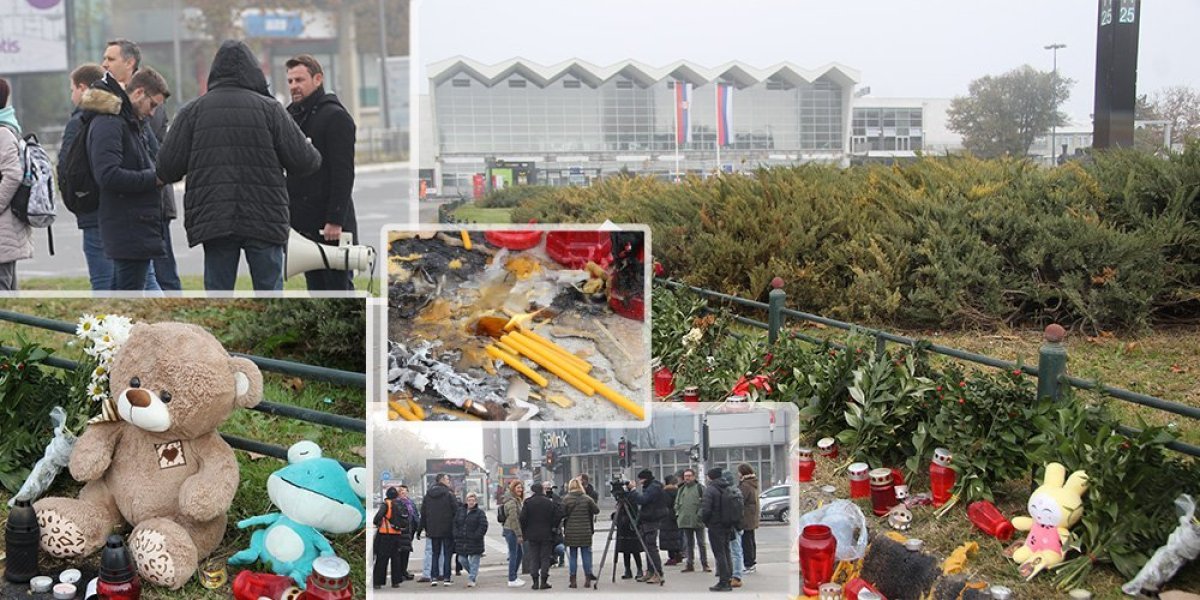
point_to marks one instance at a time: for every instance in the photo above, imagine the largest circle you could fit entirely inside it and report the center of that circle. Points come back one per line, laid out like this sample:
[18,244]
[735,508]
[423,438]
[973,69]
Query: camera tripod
[623,504]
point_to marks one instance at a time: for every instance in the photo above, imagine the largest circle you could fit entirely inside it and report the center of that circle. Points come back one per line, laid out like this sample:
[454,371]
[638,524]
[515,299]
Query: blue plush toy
[314,494]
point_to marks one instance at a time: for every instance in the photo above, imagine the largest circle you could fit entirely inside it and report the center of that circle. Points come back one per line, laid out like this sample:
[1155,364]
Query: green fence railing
[1050,370]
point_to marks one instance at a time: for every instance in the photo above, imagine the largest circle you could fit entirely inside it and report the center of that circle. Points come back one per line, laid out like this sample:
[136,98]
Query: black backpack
[398,516]
[732,511]
[80,192]
[501,514]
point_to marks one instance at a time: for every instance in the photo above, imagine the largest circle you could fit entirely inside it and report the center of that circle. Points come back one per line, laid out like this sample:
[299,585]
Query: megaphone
[304,255]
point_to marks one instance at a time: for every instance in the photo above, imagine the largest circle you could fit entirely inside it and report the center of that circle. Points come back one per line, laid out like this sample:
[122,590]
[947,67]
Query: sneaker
[422,579]
[751,569]
[518,582]
[654,579]
[435,582]
[721,587]
[735,582]
[446,583]
[688,569]
[627,575]
[470,584]
[707,569]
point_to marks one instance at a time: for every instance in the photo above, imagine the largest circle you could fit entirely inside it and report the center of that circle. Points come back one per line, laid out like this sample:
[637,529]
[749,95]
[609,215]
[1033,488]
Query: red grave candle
[883,492]
[860,482]
[807,465]
[817,557]
[941,476]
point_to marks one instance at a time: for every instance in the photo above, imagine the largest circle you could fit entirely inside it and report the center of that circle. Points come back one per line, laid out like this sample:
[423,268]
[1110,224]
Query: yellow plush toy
[1053,509]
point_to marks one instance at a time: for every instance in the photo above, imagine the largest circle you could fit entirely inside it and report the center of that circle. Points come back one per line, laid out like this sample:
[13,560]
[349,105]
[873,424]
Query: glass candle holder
[860,482]
[883,493]
[818,550]
[941,476]
[807,465]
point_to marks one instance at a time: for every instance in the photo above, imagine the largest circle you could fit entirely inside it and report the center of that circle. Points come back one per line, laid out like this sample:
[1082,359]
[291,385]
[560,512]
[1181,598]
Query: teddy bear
[313,494]
[161,467]
[1053,509]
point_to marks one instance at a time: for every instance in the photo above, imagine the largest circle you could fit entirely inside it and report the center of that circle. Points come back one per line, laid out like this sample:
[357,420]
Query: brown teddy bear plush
[162,468]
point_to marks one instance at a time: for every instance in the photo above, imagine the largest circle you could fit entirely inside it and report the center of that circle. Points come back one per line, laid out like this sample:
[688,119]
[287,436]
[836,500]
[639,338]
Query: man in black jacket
[719,534]
[652,501]
[437,521]
[394,532]
[321,205]
[130,215]
[234,143]
[539,516]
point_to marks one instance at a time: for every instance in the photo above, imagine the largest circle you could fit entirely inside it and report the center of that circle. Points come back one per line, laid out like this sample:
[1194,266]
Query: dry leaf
[359,451]
[1131,347]
[255,455]
[295,384]
[1179,369]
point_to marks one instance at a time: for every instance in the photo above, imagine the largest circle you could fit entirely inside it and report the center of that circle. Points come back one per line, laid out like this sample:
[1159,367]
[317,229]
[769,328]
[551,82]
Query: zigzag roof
[737,72]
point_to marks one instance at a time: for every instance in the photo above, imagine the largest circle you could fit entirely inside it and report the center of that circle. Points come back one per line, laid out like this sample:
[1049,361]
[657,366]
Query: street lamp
[1054,124]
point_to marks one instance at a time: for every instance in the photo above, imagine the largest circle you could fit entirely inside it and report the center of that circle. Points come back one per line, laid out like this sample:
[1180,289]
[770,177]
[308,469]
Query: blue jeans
[441,558]
[586,551]
[515,553]
[735,551]
[130,274]
[473,566]
[221,258]
[166,272]
[427,564]
[100,267]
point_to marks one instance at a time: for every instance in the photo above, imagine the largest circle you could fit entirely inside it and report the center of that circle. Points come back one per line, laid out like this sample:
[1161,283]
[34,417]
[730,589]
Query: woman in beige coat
[16,241]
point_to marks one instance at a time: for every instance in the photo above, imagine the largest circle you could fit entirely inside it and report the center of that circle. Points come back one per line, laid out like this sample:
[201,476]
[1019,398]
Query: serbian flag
[683,112]
[724,114]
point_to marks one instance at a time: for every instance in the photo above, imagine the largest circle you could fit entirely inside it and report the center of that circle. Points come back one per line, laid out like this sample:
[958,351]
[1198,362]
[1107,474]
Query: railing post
[1052,362]
[880,344]
[775,304]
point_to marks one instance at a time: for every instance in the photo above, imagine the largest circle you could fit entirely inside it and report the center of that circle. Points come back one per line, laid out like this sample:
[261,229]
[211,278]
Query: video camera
[617,487]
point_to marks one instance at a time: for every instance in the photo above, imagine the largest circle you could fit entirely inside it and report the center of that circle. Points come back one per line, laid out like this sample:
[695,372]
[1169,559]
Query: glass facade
[627,115]
[886,129]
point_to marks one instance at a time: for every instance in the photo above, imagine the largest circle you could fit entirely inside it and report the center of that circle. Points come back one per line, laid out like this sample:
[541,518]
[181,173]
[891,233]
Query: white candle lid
[331,567]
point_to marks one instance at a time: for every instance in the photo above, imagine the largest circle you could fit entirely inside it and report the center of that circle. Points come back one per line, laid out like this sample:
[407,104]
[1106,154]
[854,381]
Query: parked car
[775,504]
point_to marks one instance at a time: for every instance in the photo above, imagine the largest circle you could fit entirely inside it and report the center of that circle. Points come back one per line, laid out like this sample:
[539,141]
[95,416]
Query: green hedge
[949,241]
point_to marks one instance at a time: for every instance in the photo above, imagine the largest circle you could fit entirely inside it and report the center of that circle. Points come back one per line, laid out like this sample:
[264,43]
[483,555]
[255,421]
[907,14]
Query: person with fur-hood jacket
[235,143]
[16,240]
[131,213]
[749,486]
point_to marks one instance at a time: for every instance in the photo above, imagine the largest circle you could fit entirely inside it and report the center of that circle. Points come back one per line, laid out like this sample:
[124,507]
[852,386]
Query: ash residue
[425,369]
[437,254]
[571,300]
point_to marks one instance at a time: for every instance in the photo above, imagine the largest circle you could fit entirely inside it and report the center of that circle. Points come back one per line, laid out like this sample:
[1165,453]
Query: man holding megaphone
[321,207]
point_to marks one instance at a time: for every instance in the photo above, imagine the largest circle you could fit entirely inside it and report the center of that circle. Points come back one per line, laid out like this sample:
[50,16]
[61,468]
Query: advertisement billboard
[33,36]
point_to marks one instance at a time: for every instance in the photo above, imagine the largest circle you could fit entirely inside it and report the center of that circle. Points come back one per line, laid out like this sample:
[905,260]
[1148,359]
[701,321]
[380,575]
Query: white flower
[693,337]
[87,324]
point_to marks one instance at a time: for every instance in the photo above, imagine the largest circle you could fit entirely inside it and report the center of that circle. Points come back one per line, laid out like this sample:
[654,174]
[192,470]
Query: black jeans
[442,549]
[653,557]
[694,537]
[637,559]
[540,555]
[719,538]
[749,549]
[329,280]
[387,551]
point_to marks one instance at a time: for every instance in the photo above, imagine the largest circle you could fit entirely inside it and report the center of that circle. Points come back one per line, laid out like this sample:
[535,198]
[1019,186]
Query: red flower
[1017,373]
[962,384]
[939,388]
[962,400]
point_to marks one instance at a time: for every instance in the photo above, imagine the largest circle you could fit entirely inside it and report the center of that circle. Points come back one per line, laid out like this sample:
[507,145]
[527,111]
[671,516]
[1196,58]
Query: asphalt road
[380,197]
[775,576]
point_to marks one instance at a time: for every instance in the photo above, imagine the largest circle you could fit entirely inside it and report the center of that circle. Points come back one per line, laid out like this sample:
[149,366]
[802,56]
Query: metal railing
[446,211]
[294,369]
[1050,370]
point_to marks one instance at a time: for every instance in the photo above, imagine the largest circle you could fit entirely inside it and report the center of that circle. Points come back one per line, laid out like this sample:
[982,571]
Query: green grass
[251,498]
[474,214]
[191,283]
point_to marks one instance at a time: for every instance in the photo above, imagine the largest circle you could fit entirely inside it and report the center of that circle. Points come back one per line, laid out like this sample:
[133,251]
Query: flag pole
[718,103]
[678,117]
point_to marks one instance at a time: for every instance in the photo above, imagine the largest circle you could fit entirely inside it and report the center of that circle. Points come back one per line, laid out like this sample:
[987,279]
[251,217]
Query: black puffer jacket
[539,516]
[234,143]
[130,213]
[324,197]
[669,538]
[469,528]
[437,512]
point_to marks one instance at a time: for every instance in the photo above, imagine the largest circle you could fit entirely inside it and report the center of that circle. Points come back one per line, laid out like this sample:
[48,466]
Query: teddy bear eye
[135,383]
[165,396]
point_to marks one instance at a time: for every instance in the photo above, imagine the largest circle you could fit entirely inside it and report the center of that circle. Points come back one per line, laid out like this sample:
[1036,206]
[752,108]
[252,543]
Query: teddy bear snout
[138,398]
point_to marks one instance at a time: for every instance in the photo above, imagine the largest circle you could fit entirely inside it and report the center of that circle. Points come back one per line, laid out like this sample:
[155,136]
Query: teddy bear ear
[249,381]
[358,481]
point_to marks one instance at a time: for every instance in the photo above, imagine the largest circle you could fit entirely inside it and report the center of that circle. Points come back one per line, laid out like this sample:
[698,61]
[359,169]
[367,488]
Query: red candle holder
[249,585]
[330,580]
[807,465]
[941,476]
[988,518]
[857,585]
[664,382]
[817,557]
[827,447]
[883,492]
[860,482]
[691,393]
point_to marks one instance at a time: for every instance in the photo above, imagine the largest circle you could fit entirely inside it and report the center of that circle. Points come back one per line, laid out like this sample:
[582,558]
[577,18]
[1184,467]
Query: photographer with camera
[624,518]
[652,501]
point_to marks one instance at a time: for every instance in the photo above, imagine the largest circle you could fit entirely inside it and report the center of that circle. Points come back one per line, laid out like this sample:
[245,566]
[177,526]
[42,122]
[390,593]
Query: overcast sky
[902,48]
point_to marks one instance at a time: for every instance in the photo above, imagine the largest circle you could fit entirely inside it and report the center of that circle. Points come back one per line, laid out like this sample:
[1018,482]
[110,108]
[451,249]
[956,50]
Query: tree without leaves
[1181,106]
[1003,114]
[218,18]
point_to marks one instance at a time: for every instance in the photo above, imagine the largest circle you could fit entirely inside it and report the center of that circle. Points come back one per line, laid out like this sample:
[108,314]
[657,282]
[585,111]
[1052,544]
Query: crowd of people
[678,515]
[255,171]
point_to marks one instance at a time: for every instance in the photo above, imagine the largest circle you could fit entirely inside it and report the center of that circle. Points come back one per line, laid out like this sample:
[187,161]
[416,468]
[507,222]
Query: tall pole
[1054,83]
[176,16]
[384,109]
[678,107]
